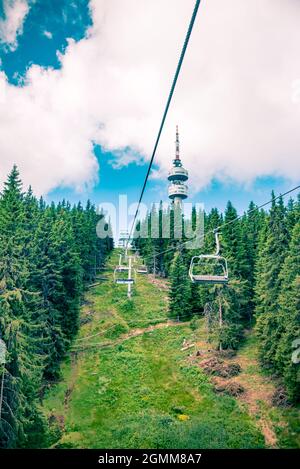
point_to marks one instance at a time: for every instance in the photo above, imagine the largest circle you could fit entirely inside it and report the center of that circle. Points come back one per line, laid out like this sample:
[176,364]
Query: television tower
[177,177]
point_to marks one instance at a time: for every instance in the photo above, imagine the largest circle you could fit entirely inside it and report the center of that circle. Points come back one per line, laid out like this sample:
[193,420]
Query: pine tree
[179,306]
[46,278]
[252,225]
[195,303]
[41,284]
[233,245]
[288,317]
[63,252]
[18,328]
[273,247]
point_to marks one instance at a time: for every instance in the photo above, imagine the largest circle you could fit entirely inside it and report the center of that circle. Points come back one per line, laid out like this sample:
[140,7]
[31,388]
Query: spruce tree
[18,327]
[180,292]
[273,247]
[46,278]
[64,253]
[288,317]
[252,224]
[41,285]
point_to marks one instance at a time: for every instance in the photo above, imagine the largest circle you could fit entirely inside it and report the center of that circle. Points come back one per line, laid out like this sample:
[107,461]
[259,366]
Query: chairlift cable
[179,65]
[220,227]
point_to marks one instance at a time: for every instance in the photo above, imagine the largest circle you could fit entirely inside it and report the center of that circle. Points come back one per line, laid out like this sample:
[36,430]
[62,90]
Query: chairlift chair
[142,269]
[121,267]
[135,256]
[209,268]
[121,275]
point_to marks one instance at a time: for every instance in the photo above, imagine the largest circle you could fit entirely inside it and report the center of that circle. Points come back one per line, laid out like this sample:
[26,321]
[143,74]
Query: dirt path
[256,392]
[161,283]
[259,390]
[145,330]
[129,335]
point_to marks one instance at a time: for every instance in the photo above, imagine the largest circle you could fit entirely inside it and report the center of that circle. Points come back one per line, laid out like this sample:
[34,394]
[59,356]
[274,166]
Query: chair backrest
[123,280]
[203,277]
[142,269]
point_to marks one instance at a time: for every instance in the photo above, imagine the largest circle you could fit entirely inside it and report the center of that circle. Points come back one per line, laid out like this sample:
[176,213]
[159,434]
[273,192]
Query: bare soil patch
[161,283]
[237,374]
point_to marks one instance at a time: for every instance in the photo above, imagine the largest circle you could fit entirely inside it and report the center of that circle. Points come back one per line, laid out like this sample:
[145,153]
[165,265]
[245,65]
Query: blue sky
[63,18]
[46,30]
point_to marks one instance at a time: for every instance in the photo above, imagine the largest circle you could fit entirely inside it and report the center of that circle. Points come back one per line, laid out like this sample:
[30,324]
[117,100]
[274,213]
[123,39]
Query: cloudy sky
[83,85]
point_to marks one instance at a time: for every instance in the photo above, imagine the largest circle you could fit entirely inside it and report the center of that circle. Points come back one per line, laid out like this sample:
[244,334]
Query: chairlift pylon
[214,262]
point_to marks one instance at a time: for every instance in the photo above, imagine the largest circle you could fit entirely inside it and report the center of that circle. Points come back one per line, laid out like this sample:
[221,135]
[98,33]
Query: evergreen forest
[82,365]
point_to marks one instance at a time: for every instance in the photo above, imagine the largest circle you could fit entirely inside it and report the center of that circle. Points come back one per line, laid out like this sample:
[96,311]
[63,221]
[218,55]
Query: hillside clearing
[129,384]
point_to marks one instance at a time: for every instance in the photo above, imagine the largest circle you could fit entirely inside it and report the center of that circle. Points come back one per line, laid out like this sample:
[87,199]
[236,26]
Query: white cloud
[15,12]
[48,34]
[233,103]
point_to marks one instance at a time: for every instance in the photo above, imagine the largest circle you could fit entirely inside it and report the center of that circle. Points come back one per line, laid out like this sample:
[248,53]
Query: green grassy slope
[119,391]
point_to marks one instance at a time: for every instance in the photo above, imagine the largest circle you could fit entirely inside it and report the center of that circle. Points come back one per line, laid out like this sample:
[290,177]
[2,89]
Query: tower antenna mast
[178,190]
[177,155]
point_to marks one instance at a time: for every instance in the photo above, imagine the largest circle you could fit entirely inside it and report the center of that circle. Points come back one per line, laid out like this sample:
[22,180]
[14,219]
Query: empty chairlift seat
[142,269]
[122,272]
[209,268]
[121,275]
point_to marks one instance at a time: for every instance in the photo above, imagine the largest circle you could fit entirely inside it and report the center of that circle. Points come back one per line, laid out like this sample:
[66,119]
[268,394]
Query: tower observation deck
[177,190]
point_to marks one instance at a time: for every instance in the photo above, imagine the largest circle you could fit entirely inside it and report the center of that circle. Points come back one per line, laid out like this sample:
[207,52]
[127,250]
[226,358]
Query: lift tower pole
[3,351]
[129,278]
